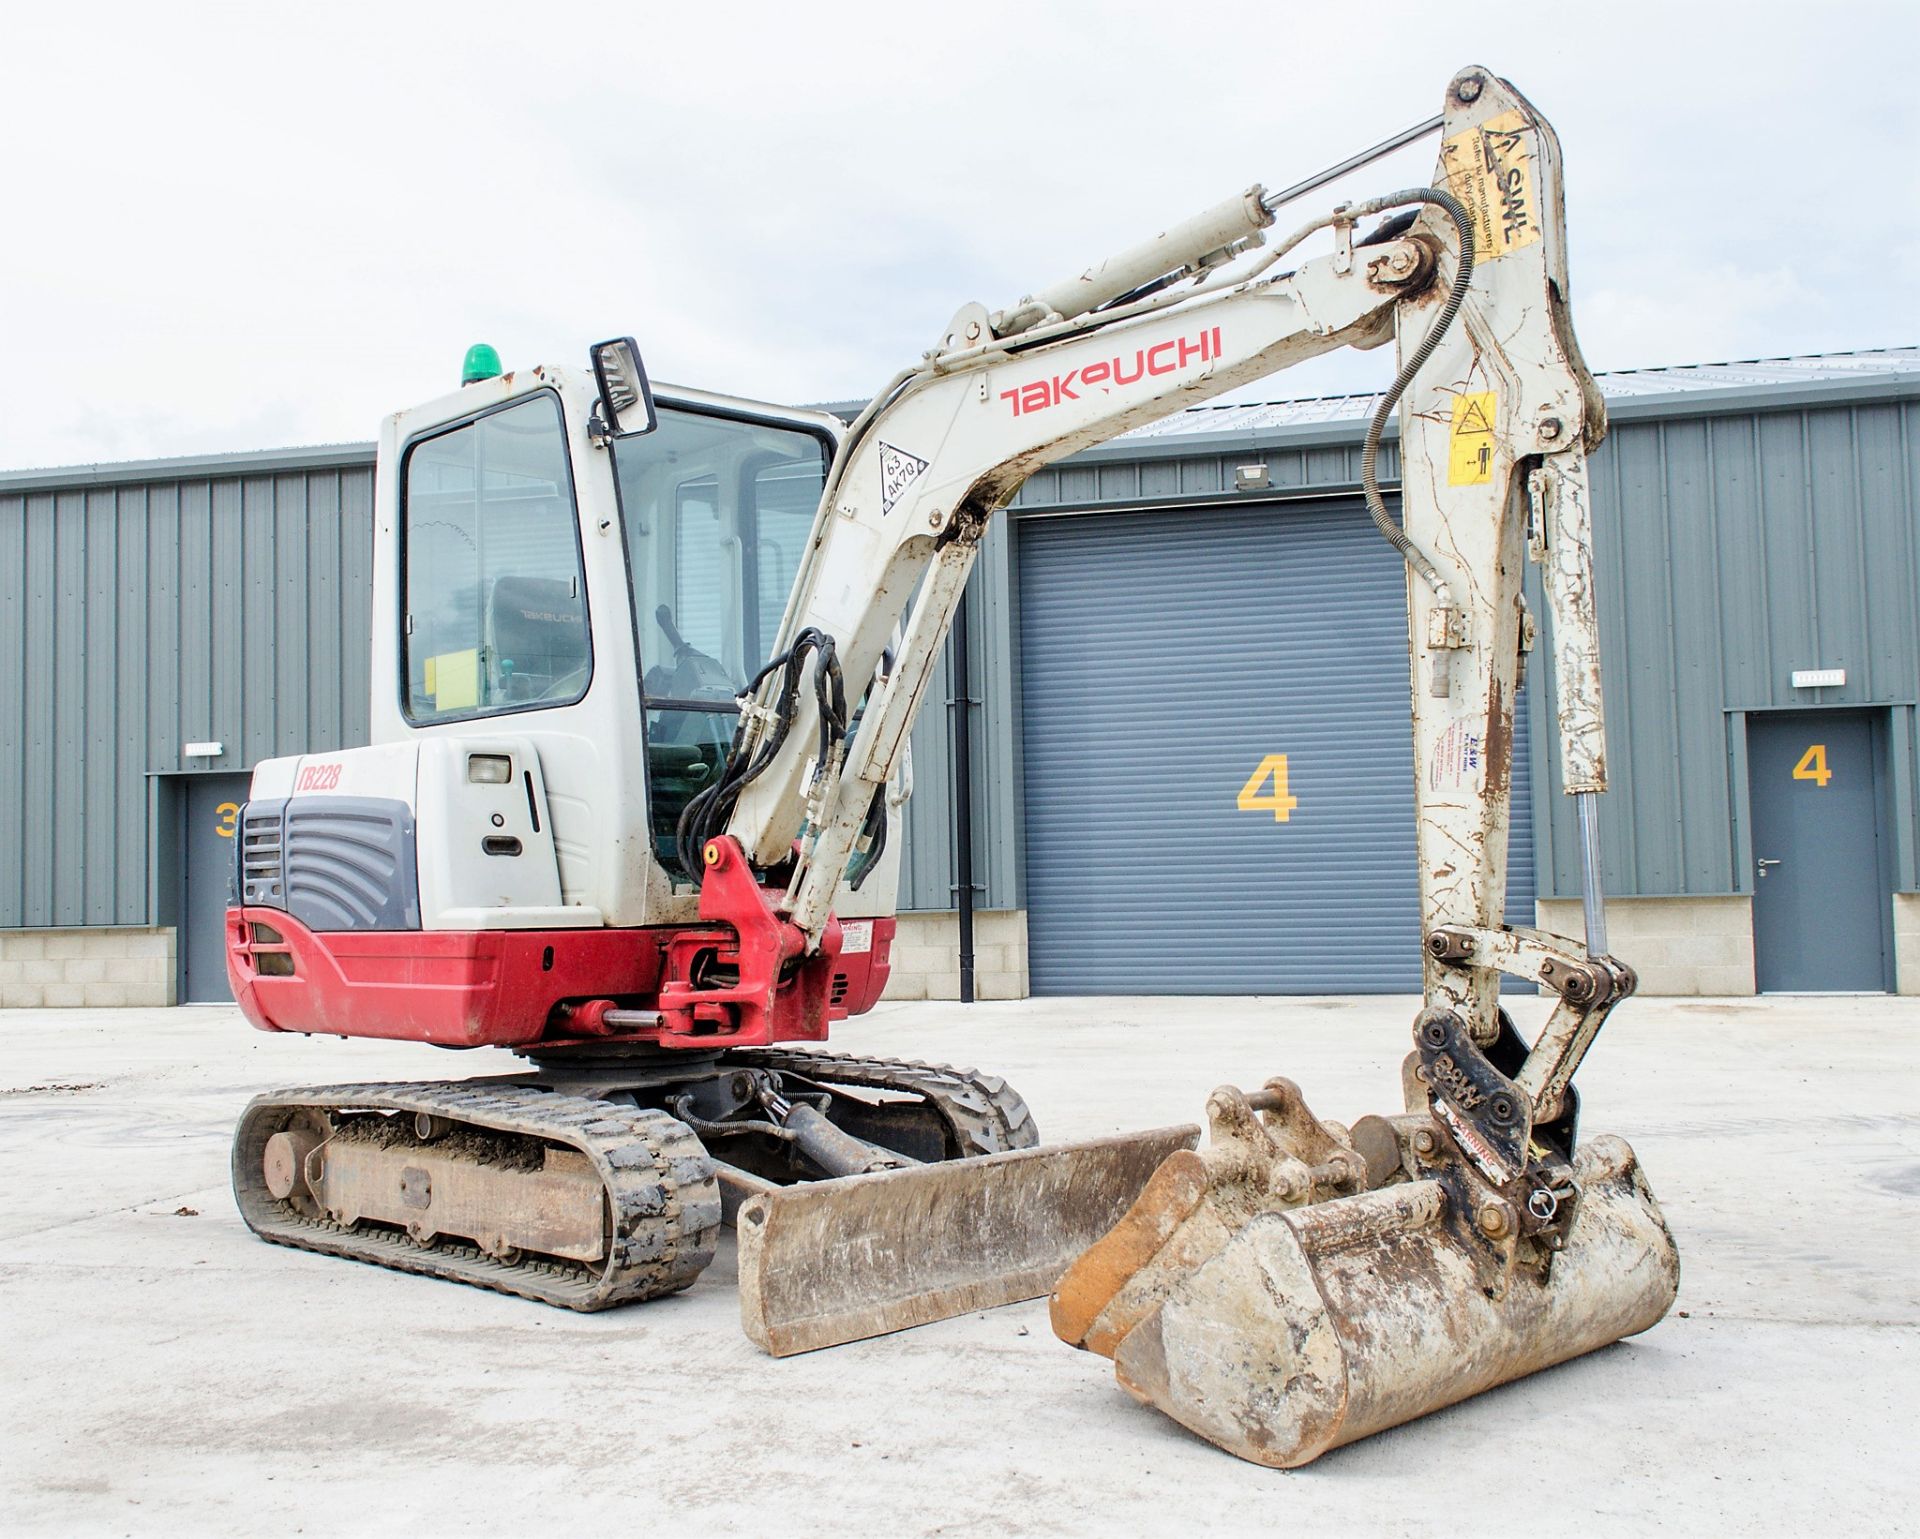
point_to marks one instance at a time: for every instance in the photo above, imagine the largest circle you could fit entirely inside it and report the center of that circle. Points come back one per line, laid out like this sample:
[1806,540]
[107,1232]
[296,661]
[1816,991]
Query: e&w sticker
[1455,760]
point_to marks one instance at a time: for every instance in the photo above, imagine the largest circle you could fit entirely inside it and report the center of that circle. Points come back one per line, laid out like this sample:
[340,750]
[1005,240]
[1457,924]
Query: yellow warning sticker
[453,679]
[1470,440]
[1490,170]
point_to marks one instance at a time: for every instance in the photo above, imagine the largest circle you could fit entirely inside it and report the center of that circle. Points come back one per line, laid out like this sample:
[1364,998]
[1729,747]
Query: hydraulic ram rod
[1222,230]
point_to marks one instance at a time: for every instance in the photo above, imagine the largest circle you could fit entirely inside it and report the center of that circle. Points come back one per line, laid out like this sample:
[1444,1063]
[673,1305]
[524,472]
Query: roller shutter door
[1164,657]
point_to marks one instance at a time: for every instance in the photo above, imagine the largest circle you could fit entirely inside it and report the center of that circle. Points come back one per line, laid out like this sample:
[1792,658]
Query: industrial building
[1758,545]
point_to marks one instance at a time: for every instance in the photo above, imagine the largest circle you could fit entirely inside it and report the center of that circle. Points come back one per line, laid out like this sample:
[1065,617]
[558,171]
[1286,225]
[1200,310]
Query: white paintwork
[454,817]
[592,753]
[461,886]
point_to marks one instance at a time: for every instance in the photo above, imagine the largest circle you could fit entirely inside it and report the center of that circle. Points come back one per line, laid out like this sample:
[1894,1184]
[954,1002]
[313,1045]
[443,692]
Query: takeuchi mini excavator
[644,667]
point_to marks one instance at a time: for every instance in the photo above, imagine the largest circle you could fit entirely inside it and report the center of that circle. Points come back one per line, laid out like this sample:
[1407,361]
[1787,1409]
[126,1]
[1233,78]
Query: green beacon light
[482,363]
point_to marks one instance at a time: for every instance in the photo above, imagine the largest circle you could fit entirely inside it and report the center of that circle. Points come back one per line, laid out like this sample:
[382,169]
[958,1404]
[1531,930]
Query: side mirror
[626,399]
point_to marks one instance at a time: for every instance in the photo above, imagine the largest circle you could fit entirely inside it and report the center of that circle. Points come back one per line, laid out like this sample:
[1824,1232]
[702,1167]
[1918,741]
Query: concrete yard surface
[164,1372]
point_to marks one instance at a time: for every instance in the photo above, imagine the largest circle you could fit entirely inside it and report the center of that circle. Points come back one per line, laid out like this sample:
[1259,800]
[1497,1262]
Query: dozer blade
[827,1262]
[1279,1328]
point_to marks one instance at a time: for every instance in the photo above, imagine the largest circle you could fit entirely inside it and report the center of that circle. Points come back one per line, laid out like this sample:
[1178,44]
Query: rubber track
[659,1182]
[986,1114]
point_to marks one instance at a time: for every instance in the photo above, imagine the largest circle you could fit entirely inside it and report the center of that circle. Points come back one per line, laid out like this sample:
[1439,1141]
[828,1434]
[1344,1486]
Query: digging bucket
[1306,1328]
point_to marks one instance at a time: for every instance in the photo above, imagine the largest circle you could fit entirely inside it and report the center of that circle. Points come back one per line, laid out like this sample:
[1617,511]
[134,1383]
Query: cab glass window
[717,513]
[496,615]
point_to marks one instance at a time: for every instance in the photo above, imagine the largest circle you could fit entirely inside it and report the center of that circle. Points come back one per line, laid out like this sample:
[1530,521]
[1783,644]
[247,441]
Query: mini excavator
[644,666]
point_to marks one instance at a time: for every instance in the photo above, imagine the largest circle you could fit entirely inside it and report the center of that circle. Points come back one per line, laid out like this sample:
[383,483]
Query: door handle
[1763,863]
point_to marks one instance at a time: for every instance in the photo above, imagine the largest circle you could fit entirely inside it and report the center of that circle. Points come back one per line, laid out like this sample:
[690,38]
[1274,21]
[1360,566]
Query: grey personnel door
[212,816]
[1820,899]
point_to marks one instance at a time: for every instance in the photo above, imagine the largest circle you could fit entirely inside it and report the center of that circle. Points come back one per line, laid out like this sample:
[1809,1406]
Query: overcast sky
[258,225]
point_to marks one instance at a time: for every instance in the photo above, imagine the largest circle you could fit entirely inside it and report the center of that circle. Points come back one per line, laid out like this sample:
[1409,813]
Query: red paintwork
[460,988]
[497,988]
[780,995]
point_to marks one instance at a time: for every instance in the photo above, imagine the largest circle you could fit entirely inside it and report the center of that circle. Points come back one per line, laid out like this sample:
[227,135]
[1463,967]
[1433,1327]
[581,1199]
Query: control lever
[663,617]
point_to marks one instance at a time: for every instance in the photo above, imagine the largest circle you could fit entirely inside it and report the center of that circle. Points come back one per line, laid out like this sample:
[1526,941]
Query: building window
[496,615]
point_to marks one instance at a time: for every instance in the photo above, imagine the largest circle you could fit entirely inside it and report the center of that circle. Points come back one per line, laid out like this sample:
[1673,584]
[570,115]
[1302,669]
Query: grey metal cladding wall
[1168,479]
[144,615]
[1731,550]
[927,865]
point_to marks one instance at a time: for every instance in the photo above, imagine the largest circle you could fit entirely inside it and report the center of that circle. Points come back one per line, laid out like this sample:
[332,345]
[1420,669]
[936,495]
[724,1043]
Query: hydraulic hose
[706,813]
[1370,450]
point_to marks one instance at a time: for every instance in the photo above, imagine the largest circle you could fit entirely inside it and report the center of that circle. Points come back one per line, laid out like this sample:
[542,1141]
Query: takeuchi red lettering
[1122,369]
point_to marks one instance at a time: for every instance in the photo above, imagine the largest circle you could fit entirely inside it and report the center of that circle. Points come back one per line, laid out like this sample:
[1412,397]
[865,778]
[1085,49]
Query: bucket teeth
[1265,1153]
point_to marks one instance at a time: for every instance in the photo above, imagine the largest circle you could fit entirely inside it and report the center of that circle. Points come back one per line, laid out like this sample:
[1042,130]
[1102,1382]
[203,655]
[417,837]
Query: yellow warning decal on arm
[1490,170]
[1470,440]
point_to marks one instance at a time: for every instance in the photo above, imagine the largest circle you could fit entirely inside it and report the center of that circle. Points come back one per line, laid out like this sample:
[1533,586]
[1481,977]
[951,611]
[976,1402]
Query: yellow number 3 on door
[1253,798]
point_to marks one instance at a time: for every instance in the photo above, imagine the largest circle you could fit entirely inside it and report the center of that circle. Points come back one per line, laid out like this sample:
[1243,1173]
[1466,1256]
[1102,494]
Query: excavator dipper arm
[1297,1285]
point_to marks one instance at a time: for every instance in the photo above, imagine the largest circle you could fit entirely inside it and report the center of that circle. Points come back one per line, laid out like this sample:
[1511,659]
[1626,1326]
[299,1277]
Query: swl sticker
[1490,169]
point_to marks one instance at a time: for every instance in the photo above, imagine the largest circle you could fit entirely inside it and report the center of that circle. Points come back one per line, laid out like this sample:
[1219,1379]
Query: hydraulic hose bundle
[706,814]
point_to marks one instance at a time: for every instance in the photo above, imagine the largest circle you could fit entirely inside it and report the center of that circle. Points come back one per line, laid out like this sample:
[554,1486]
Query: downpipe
[963,792]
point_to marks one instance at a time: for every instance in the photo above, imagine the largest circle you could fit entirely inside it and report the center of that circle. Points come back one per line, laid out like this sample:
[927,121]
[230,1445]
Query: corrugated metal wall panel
[1732,548]
[133,666]
[1308,468]
[145,615]
[66,812]
[1892,561]
[927,874]
[40,737]
[926,862]
[1729,552]
[14,610]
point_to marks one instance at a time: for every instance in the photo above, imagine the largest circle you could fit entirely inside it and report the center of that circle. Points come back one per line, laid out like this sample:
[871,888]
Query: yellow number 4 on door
[1253,796]
[1813,766]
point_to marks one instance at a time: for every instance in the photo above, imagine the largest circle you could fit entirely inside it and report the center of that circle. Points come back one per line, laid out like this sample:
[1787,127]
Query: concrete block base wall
[1680,946]
[1677,945]
[95,968]
[1906,941]
[926,956]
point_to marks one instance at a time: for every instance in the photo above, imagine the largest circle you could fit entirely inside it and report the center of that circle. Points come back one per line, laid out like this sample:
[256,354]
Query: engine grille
[333,862]
[262,864]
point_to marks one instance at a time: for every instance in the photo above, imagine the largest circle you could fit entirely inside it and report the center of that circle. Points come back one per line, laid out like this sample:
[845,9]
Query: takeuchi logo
[1161,358]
